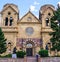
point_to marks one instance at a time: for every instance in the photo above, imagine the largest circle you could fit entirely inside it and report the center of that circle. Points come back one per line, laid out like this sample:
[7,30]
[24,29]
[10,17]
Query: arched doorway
[29,49]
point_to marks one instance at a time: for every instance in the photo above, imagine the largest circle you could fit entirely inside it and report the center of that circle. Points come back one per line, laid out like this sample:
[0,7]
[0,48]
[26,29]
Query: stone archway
[29,48]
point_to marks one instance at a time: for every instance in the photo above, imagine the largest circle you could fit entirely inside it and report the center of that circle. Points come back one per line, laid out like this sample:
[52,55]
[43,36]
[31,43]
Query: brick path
[31,59]
[51,59]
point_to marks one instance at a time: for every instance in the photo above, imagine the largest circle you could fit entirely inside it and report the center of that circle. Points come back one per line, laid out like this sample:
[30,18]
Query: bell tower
[46,12]
[10,15]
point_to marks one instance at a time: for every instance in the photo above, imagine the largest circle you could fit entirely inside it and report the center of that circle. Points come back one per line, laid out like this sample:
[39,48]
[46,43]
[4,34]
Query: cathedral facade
[29,33]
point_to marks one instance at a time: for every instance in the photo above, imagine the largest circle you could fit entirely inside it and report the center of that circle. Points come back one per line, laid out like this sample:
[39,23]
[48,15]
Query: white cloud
[58,2]
[36,3]
[32,8]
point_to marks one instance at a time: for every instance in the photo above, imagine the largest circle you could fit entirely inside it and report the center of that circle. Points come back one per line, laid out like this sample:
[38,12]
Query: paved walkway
[31,59]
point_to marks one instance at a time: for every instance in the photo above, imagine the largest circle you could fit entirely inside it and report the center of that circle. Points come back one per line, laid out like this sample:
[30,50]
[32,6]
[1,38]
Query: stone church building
[28,33]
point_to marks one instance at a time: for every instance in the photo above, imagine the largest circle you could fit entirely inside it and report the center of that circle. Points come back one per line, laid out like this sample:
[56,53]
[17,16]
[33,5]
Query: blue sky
[25,5]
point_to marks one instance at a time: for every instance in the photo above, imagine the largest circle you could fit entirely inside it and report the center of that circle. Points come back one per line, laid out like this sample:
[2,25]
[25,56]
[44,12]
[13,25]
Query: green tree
[55,25]
[2,42]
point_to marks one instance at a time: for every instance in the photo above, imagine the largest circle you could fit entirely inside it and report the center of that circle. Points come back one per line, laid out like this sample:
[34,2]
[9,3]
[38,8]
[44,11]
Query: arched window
[48,46]
[11,20]
[6,21]
[47,21]
[9,43]
[29,45]
[9,47]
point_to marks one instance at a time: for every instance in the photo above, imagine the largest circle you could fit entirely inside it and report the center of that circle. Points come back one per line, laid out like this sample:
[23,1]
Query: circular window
[9,13]
[29,30]
[29,18]
[49,14]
